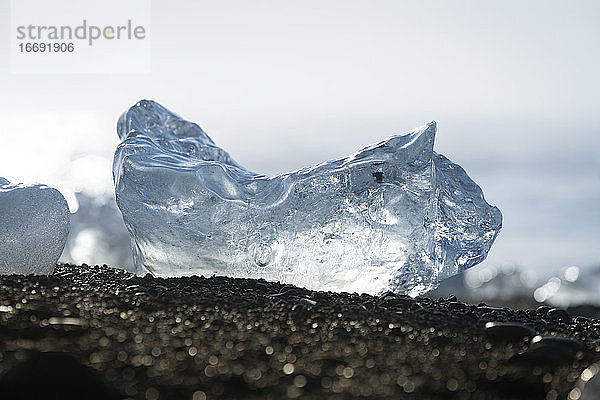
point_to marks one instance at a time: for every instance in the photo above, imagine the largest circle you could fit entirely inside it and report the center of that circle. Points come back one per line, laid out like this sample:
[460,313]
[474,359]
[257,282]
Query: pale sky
[283,84]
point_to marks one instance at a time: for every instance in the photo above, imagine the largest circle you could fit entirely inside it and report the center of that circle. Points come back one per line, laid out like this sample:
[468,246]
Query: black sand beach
[98,332]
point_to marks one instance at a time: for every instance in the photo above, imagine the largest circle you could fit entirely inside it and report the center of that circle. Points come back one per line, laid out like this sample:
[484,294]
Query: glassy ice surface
[34,225]
[395,216]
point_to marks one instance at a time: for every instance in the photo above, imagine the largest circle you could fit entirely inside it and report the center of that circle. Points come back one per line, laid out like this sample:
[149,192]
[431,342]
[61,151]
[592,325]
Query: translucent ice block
[393,216]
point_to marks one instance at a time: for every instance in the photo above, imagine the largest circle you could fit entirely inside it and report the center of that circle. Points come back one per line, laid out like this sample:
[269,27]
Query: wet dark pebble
[557,314]
[552,351]
[509,331]
[224,338]
[557,342]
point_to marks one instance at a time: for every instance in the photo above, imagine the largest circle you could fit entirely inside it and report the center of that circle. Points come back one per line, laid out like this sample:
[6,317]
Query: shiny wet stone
[552,351]
[509,331]
[557,314]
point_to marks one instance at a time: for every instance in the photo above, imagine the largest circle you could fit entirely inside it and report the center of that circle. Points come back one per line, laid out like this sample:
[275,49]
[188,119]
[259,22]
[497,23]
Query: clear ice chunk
[34,225]
[395,216]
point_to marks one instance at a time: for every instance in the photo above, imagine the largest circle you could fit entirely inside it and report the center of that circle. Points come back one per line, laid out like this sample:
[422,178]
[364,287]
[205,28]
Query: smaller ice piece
[394,216]
[34,225]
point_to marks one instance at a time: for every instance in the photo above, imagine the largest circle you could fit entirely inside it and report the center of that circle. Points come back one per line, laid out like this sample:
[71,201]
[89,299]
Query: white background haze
[513,86]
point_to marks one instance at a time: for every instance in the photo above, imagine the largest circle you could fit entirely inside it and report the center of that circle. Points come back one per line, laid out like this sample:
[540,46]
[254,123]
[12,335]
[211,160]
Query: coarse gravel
[100,332]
